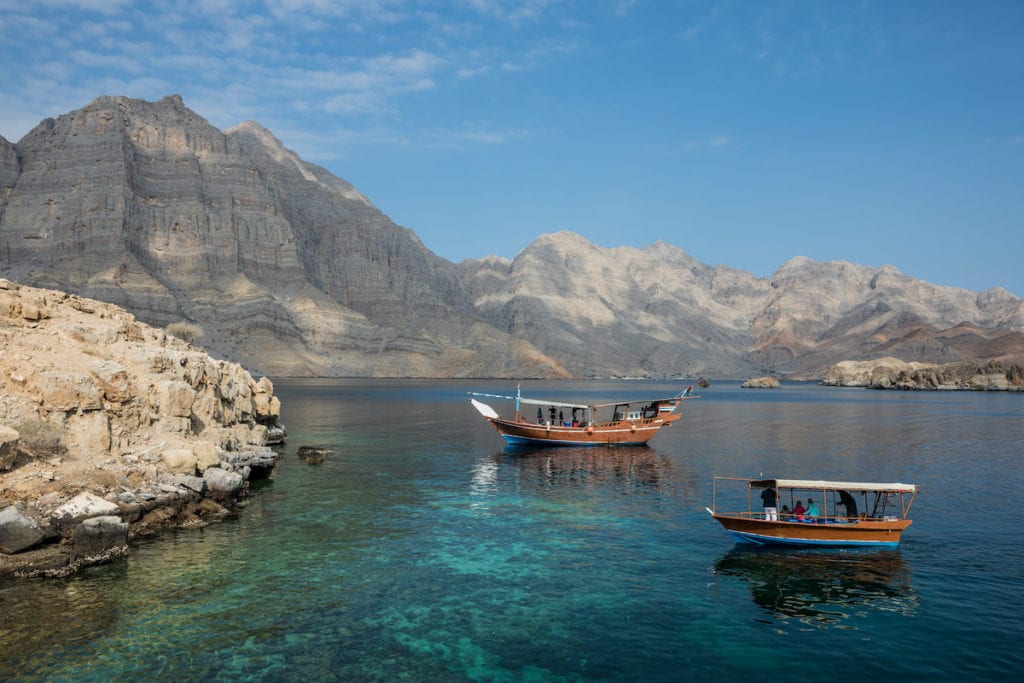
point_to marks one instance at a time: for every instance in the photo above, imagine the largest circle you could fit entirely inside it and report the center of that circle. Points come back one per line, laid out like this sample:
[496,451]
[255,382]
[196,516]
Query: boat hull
[622,433]
[881,533]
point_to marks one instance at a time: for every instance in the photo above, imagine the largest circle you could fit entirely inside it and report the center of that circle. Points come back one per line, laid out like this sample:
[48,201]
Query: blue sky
[745,133]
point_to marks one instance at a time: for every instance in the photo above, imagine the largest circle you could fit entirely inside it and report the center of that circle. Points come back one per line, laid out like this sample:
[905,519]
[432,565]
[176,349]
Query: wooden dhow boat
[623,423]
[880,524]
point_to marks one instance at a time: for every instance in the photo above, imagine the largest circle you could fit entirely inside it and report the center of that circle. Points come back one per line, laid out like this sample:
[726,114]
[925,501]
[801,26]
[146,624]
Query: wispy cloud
[474,134]
[712,142]
[349,60]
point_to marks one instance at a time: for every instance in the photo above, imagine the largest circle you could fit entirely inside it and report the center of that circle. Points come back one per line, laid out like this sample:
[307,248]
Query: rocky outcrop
[761,383]
[892,373]
[110,428]
[291,271]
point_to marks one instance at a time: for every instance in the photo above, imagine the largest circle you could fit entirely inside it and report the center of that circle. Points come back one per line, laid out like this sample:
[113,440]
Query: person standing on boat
[771,513]
[849,502]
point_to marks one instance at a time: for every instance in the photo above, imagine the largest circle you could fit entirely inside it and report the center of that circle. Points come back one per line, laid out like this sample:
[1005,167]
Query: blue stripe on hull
[760,539]
[527,441]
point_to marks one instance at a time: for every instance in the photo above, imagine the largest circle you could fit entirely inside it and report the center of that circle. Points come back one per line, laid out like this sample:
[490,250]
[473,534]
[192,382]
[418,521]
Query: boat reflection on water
[627,470]
[822,587]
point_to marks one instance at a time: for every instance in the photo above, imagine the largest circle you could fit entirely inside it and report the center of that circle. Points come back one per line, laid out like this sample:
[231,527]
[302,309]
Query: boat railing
[808,519]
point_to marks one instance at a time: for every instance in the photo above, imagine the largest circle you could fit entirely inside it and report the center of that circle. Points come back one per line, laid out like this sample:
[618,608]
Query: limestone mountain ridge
[290,270]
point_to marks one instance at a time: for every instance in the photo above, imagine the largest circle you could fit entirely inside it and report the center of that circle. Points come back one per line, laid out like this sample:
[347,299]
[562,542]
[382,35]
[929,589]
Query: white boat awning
[533,401]
[818,485]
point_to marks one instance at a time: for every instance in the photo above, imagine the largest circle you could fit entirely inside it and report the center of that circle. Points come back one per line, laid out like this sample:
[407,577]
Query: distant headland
[893,373]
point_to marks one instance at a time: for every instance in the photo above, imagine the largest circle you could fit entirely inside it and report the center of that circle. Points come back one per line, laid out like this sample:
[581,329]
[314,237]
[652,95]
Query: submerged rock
[314,455]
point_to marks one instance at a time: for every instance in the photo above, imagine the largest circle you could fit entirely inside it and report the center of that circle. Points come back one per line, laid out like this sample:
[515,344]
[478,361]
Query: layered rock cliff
[284,266]
[102,416]
[291,271]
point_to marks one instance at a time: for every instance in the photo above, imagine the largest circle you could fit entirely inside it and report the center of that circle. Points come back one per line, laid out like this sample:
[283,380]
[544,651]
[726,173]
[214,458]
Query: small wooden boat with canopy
[879,523]
[557,423]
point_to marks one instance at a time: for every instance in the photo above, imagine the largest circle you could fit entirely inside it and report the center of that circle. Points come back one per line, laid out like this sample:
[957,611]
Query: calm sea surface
[425,550]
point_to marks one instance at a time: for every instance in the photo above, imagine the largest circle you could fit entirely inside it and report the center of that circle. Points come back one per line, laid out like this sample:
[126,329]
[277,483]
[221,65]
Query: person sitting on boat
[799,511]
[812,509]
[771,513]
[849,502]
[786,515]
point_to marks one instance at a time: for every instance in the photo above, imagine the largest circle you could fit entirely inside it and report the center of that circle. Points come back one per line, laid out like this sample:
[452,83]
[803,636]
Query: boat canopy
[534,401]
[583,406]
[818,485]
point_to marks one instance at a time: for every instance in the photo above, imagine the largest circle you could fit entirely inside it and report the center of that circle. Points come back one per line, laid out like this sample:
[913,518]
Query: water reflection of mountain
[822,587]
[638,470]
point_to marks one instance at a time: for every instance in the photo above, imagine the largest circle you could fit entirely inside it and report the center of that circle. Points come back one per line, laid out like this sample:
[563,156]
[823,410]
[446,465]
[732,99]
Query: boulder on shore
[18,531]
[100,538]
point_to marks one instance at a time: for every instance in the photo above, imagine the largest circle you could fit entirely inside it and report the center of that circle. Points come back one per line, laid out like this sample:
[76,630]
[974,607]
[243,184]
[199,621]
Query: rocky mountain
[284,266]
[621,311]
[291,271]
[657,310]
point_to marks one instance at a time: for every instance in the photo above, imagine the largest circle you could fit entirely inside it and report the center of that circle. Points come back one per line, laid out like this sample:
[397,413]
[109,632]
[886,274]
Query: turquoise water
[425,550]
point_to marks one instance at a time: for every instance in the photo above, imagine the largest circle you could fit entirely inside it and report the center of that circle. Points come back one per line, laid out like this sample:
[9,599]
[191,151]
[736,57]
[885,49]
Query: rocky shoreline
[111,429]
[893,373]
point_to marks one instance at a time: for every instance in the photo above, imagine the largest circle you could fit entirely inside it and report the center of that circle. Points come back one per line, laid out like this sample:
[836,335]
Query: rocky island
[761,383]
[110,428]
[893,373]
